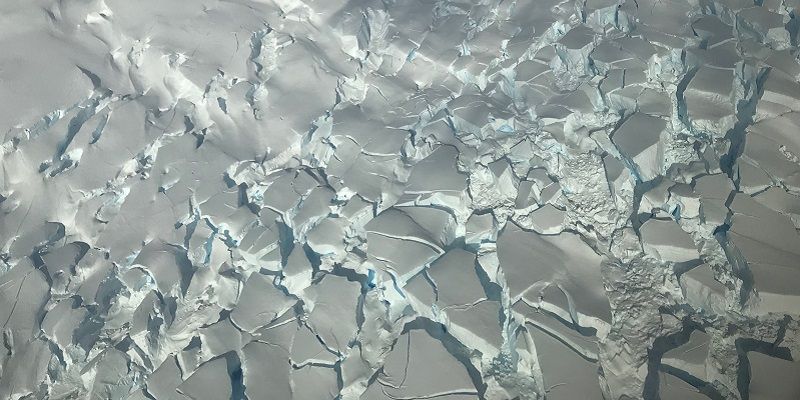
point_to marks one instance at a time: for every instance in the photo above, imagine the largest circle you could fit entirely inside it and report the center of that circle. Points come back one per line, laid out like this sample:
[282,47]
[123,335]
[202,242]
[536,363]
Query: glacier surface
[400,199]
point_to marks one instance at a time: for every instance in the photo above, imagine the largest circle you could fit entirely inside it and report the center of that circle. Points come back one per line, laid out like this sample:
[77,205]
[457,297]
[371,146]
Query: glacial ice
[400,199]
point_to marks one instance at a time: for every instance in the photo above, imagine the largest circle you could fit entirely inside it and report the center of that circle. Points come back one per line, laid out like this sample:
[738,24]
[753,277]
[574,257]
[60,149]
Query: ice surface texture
[399,199]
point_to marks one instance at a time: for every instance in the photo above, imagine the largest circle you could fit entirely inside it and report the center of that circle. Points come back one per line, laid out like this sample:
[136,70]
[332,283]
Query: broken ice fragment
[665,240]
[638,138]
[260,303]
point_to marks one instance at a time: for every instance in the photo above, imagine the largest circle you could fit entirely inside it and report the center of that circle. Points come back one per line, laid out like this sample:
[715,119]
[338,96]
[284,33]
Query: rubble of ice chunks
[450,199]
